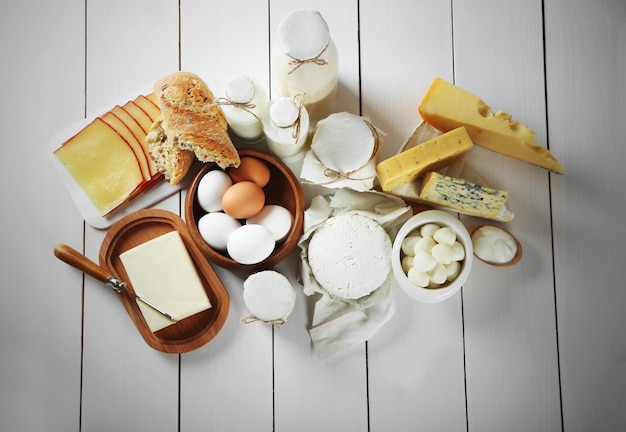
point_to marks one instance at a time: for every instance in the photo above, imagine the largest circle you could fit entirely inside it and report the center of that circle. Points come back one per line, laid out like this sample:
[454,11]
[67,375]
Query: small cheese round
[269,296]
[349,255]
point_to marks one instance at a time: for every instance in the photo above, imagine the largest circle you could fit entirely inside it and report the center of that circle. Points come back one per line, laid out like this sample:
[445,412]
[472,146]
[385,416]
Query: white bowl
[448,289]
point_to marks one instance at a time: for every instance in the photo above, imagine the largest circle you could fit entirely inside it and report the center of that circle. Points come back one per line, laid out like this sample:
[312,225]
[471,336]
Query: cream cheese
[494,245]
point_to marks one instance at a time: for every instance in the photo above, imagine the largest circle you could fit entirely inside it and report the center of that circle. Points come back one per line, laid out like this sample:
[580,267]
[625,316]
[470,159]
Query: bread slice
[190,122]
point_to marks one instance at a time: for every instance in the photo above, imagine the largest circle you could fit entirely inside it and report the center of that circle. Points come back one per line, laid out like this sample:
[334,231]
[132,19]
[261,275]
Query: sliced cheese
[102,164]
[430,155]
[139,133]
[464,196]
[120,127]
[138,114]
[162,271]
[349,255]
[148,107]
[446,107]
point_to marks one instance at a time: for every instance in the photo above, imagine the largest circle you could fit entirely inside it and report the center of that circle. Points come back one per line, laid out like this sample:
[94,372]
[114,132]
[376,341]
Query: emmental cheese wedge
[102,164]
[465,197]
[446,107]
[430,155]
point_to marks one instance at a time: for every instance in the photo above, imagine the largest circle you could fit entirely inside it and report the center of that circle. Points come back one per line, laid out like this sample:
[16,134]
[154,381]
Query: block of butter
[446,107]
[162,271]
[431,155]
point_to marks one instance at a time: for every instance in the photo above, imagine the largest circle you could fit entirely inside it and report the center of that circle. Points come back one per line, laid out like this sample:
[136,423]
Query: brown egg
[250,169]
[243,199]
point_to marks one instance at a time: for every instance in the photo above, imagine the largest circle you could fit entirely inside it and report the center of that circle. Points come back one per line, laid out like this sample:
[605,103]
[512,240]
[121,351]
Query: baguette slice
[190,124]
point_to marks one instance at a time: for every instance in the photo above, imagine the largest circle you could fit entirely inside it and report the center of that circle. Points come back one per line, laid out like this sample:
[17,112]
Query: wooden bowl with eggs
[282,190]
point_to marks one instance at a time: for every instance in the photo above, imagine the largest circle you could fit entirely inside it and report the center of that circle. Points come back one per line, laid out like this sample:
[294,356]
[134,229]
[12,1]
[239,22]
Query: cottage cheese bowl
[282,190]
[440,236]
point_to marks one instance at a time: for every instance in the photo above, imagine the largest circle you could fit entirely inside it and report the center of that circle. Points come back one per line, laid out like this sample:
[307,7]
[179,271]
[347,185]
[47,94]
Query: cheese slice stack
[108,158]
[446,107]
[465,197]
[430,155]
[162,271]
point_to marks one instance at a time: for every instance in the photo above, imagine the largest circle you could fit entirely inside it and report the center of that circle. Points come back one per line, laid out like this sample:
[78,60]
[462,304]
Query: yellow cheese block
[148,106]
[465,197]
[102,164]
[446,107]
[430,155]
[138,114]
[162,271]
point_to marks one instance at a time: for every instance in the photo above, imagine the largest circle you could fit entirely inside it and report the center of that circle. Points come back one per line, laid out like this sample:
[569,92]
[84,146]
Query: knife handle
[71,256]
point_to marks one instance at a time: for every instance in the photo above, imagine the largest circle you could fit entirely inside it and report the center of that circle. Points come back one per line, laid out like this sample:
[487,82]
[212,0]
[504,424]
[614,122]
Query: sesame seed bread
[190,124]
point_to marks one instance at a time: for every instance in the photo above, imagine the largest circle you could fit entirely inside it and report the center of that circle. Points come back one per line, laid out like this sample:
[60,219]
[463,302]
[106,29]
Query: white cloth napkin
[340,324]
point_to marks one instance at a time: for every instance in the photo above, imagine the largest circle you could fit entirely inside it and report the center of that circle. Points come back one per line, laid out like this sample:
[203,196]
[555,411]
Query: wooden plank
[40,310]
[237,365]
[305,387]
[586,65]
[510,340]
[403,47]
[126,384]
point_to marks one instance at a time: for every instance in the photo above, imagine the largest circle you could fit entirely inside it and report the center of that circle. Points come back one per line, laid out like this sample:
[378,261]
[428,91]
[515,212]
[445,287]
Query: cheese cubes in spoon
[432,255]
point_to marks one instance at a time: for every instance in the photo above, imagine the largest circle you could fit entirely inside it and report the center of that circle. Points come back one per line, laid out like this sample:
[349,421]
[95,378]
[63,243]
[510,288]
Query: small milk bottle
[304,61]
[286,128]
[243,102]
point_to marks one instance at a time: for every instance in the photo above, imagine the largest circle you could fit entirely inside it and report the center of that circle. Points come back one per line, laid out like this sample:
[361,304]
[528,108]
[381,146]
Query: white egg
[216,227]
[250,244]
[211,188]
[275,218]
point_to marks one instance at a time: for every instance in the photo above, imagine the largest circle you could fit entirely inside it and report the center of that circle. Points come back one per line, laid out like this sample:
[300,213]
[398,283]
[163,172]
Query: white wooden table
[540,346]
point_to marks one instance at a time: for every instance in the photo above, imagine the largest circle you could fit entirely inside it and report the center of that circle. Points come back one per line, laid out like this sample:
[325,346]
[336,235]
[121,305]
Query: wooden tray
[189,333]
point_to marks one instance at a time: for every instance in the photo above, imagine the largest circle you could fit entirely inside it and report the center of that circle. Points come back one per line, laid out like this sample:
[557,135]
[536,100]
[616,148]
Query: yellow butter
[465,197]
[102,164]
[430,155]
[162,271]
[446,107]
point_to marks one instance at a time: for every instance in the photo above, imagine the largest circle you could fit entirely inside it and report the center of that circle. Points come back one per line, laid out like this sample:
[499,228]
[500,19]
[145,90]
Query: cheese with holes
[465,197]
[446,107]
[349,255]
[430,155]
[162,272]
[102,164]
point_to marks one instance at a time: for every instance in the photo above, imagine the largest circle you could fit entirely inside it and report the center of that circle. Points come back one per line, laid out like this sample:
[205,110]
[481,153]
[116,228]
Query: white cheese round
[269,296]
[349,255]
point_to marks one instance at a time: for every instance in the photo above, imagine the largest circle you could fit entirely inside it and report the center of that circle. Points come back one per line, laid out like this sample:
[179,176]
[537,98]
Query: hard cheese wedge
[446,106]
[162,271]
[430,155]
[465,197]
[102,164]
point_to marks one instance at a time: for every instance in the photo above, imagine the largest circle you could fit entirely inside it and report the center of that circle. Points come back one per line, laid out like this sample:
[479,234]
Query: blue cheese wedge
[464,196]
[162,271]
[349,255]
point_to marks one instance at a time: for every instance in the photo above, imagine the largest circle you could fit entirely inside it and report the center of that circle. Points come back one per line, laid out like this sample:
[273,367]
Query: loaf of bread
[191,124]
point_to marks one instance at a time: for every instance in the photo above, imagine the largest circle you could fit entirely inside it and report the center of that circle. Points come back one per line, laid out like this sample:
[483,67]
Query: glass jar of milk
[243,102]
[286,127]
[305,61]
